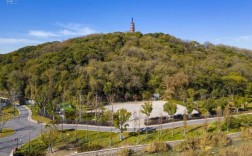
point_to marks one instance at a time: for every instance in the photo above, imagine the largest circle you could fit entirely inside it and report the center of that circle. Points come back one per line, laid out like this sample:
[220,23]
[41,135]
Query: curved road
[28,129]
[22,126]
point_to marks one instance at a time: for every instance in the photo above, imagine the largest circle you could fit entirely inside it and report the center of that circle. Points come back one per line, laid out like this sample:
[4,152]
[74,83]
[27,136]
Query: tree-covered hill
[126,65]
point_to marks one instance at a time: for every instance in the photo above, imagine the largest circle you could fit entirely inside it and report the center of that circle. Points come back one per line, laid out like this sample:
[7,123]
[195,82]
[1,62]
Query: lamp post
[29,138]
[63,117]
[16,139]
[111,129]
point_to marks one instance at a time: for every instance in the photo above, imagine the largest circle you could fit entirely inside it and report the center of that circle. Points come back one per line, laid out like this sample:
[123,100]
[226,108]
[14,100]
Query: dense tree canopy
[127,66]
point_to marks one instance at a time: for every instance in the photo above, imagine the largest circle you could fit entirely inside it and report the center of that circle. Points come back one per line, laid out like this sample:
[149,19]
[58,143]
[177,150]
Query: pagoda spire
[132,25]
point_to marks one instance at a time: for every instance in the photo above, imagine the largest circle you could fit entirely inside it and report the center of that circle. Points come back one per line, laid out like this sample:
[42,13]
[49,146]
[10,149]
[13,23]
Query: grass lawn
[250,105]
[8,113]
[6,132]
[70,139]
[37,117]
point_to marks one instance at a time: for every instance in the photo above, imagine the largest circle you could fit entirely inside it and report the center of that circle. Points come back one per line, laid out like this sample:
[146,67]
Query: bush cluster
[246,133]
[125,152]
[235,123]
[157,147]
[87,147]
[204,142]
[243,150]
[36,149]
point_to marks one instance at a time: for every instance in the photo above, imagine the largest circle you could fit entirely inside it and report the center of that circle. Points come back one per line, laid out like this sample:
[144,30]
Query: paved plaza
[135,107]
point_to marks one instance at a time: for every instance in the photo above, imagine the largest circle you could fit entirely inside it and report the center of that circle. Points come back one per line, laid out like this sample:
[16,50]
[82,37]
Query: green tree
[147,109]
[191,93]
[235,83]
[189,108]
[204,112]
[227,116]
[121,116]
[174,84]
[184,122]
[16,88]
[50,136]
[171,109]
[219,114]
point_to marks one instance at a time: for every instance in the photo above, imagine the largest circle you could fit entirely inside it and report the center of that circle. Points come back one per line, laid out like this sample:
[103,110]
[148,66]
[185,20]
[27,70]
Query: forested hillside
[127,65]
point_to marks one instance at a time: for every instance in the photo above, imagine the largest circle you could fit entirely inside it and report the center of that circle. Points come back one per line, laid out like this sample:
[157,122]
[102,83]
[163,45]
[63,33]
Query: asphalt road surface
[24,130]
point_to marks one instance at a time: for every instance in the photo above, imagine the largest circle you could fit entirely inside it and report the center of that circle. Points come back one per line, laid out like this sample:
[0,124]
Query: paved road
[108,129]
[22,126]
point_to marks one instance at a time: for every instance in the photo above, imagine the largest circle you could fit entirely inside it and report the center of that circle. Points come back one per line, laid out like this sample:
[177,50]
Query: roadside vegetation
[6,113]
[6,132]
[35,116]
[197,137]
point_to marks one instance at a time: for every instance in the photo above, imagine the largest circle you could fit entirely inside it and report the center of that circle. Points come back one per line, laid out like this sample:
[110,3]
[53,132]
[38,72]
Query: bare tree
[227,116]
[13,98]
[3,118]
[139,125]
[160,123]
[184,122]
[219,114]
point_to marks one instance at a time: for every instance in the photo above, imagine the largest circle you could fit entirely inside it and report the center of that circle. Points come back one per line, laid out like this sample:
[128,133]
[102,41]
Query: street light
[63,117]
[18,139]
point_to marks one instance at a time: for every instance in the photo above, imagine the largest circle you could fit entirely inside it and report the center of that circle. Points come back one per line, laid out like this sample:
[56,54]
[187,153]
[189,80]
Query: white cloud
[17,41]
[242,41]
[244,38]
[66,30]
[76,29]
[235,39]
[41,33]
[34,37]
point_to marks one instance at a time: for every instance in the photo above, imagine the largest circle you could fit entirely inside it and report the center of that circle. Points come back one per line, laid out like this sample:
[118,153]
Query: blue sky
[30,22]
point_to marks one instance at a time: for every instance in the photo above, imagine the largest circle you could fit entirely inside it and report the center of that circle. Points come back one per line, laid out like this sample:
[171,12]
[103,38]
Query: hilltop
[128,65]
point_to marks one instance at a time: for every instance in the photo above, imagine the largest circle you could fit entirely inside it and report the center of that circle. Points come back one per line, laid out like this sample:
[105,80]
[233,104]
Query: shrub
[86,147]
[246,133]
[220,139]
[36,149]
[132,133]
[234,123]
[242,150]
[195,153]
[125,152]
[205,142]
[238,122]
[190,143]
[245,120]
[156,147]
